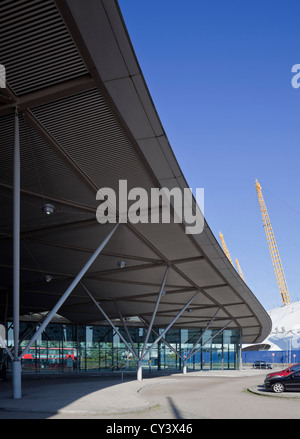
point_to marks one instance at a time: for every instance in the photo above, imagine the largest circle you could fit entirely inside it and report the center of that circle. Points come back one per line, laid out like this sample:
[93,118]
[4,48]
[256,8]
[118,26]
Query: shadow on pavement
[72,394]
[174,409]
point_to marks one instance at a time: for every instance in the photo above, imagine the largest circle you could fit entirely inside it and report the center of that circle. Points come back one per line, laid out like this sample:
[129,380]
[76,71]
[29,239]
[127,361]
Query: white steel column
[139,375]
[165,342]
[16,363]
[172,323]
[142,355]
[240,351]
[211,338]
[109,320]
[139,370]
[184,370]
[155,311]
[126,329]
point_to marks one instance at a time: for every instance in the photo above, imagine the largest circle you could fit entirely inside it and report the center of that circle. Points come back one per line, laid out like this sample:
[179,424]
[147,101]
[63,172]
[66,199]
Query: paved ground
[197,395]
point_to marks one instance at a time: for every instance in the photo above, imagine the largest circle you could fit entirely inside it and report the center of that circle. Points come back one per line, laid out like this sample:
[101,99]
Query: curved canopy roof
[87,121]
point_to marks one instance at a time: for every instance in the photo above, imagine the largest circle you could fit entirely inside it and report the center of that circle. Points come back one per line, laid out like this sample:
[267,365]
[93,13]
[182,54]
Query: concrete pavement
[74,395]
[111,397]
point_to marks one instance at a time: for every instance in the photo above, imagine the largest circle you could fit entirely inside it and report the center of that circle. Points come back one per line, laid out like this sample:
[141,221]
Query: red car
[284,372]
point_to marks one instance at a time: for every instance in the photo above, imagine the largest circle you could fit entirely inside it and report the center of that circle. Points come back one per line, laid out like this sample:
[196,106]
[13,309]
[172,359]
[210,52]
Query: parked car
[262,365]
[287,383]
[285,372]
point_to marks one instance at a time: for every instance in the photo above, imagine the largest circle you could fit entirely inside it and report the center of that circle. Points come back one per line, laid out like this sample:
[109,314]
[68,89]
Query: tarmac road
[221,398]
[194,396]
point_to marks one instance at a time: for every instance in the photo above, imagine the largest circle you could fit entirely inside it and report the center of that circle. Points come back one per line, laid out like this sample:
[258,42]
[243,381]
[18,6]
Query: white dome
[285,333]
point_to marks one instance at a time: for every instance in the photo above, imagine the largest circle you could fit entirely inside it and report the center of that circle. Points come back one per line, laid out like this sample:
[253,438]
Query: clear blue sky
[219,73]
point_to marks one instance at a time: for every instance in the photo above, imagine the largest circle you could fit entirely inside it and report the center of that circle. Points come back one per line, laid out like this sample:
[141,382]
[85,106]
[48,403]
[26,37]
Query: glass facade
[66,348]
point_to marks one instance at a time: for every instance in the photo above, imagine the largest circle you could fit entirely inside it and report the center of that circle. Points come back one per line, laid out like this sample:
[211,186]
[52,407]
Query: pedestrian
[69,363]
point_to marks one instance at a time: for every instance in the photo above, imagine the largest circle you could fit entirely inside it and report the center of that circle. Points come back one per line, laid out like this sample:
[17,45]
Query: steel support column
[139,375]
[109,320]
[154,311]
[70,289]
[201,336]
[142,355]
[139,370]
[165,342]
[16,364]
[211,338]
[172,323]
[126,329]
[240,350]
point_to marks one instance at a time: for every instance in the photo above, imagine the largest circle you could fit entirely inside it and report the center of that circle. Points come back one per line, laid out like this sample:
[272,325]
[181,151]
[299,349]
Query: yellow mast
[225,248]
[229,258]
[280,277]
[240,270]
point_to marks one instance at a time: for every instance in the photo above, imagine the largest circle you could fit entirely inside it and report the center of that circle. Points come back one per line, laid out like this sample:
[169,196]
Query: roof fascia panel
[113,56]
[96,31]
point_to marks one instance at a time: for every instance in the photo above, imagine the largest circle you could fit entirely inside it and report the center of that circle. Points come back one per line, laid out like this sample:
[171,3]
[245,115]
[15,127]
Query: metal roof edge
[123,79]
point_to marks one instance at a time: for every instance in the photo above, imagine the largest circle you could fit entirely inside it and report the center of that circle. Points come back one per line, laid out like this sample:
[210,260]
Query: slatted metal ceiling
[43,171]
[35,46]
[72,145]
[85,128]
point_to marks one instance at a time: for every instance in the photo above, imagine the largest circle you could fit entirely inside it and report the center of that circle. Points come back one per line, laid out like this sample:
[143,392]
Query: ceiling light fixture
[122,264]
[48,209]
[48,278]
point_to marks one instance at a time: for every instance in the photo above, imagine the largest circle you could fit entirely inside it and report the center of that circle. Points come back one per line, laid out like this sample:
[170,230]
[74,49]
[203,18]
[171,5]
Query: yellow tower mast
[225,248]
[228,256]
[240,270]
[280,277]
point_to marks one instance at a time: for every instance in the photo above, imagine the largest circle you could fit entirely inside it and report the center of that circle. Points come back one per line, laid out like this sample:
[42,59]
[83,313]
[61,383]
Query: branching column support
[198,341]
[126,329]
[133,351]
[63,298]
[161,336]
[154,312]
[142,355]
[165,341]
[130,346]
[210,339]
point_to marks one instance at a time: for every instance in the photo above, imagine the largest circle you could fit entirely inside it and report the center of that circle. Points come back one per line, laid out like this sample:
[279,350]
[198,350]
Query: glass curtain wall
[75,348]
